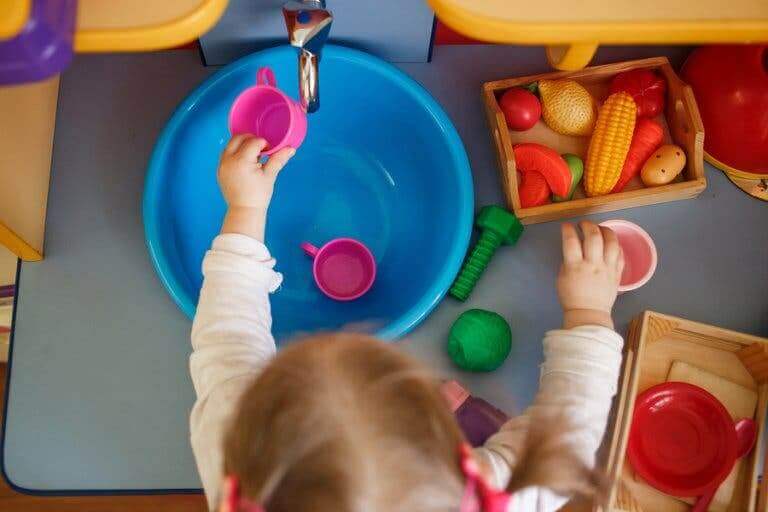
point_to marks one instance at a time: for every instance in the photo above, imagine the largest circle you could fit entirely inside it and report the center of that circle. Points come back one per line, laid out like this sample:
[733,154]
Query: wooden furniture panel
[26,146]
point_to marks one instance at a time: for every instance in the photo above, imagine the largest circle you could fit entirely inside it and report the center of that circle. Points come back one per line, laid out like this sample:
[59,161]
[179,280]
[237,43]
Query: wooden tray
[682,123]
[653,342]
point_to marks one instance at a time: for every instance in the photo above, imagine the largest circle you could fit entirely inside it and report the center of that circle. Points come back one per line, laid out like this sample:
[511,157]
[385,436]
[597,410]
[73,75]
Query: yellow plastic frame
[156,37]
[13,16]
[17,245]
[572,45]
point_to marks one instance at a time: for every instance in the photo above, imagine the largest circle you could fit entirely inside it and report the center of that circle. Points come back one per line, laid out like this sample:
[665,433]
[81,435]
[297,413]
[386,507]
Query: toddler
[341,422]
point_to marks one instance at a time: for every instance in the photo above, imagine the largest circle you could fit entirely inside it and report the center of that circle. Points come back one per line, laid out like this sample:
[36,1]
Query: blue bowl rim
[455,257]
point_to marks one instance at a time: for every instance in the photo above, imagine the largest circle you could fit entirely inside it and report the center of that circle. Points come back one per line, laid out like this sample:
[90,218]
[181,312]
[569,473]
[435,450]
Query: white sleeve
[578,380]
[231,343]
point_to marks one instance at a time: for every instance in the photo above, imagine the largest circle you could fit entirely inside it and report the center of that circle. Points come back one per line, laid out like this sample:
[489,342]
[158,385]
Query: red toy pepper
[646,87]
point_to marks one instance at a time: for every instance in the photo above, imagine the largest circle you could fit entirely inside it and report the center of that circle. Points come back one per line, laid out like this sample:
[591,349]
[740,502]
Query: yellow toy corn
[609,145]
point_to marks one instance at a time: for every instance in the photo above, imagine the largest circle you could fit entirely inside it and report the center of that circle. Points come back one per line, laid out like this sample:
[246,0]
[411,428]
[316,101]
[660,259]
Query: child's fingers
[593,242]
[251,149]
[620,264]
[611,249]
[277,161]
[571,244]
[234,143]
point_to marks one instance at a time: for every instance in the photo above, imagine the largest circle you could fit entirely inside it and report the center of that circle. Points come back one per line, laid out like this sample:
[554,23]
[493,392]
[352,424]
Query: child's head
[346,423]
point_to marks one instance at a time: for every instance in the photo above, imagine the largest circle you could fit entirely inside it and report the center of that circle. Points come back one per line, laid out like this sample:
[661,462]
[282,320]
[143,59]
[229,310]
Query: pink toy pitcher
[265,111]
[344,269]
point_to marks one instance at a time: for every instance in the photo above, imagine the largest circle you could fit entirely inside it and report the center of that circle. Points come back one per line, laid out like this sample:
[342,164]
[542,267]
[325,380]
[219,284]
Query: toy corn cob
[610,143]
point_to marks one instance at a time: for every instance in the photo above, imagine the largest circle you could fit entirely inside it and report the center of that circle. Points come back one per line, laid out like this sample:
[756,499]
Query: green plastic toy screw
[498,226]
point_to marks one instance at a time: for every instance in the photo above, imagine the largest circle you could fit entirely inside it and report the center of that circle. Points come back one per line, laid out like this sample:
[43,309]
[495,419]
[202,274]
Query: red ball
[521,108]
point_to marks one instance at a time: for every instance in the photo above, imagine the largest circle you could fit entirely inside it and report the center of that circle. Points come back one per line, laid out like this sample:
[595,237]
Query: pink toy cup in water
[265,111]
[344,268]
[640,257]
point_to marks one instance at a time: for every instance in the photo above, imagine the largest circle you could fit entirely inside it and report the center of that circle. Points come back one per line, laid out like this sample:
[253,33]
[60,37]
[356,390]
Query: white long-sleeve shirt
[232,342]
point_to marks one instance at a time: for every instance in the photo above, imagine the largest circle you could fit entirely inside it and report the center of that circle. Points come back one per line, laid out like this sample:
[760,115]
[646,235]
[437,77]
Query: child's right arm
[231,334]
[564,426]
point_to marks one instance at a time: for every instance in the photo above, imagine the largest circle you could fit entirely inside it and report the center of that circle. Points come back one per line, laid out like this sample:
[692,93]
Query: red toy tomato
[533,189]
[646,87]
[731,88]
[531,157]
[521,108]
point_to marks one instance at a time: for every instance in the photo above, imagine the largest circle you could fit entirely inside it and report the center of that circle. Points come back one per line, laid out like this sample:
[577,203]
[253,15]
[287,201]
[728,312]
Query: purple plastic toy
[43,47]
[344,268]
[478,419]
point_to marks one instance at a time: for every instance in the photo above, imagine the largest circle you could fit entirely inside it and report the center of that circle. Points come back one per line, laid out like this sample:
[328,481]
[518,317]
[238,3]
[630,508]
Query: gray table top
[99,391]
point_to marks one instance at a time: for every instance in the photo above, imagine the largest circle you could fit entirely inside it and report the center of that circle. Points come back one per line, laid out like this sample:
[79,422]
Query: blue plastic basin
[382,163]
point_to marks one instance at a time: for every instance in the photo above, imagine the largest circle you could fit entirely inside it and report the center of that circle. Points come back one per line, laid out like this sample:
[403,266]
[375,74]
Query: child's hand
[244,181]
[247,185]
[590,275]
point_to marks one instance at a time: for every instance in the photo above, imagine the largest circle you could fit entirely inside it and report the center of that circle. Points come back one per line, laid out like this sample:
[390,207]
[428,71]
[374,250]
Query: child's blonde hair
[346,423]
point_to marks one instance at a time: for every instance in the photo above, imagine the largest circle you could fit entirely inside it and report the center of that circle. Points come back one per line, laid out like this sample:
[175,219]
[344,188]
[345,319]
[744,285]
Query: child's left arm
[231,334]
[560,432]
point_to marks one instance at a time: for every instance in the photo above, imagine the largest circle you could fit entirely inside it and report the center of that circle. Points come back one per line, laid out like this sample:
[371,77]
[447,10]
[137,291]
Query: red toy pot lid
[682,440]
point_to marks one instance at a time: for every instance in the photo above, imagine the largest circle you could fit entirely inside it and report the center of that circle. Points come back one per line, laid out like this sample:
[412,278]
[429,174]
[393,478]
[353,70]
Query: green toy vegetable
[576,166]
[479,340]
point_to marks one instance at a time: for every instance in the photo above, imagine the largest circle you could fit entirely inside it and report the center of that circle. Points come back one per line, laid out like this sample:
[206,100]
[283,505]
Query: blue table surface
[99,391]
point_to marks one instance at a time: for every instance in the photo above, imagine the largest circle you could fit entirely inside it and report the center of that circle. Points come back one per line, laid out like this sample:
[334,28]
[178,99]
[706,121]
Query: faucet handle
[308,24]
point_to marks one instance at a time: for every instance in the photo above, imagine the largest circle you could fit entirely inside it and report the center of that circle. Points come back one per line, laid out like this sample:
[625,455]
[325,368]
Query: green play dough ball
[479,340]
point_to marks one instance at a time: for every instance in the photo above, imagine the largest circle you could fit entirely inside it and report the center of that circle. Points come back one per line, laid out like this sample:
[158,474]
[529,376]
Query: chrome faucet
[308,23]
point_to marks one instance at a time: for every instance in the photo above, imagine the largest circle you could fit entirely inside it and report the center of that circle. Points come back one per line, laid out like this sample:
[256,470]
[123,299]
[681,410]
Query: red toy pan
[682,440]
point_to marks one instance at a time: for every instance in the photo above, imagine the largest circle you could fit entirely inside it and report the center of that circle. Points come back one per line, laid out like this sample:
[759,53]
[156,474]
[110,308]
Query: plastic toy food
[663,166]
[521,108]
[533,190]
[498,226]
[646,87]
[731,87]
[576,167]
[479,340]
[546,161]
[610,143]
[567,107]
[647,138]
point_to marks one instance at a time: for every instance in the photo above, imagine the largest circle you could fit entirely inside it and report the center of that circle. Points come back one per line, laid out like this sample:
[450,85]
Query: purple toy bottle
[477,418]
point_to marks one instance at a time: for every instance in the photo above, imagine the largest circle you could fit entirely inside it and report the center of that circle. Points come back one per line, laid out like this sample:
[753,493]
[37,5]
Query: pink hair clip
[233,502]
[479,496]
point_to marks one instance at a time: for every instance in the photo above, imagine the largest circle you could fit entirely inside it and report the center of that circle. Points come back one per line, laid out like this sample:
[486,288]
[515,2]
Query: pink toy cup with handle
[267,112]
[640,256]
[344,269]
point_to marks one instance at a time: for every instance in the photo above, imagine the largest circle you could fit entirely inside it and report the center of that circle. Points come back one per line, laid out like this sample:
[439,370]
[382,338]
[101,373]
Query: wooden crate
[682,124]
[654,341]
